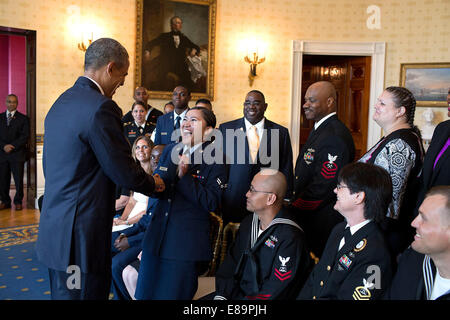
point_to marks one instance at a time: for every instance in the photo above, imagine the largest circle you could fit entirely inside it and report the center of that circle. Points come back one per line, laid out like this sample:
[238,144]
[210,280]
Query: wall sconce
[253,59]
[83,45]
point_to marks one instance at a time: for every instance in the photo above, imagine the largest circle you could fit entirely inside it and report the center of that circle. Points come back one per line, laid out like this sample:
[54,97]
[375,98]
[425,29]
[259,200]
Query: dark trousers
[6,168]
[119,262]
[92,286]
[164,279]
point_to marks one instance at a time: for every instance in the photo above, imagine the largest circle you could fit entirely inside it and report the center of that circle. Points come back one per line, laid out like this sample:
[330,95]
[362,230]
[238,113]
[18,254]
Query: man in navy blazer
[85,155]
[171,121]
[436,164]
[14,135]
[275,151]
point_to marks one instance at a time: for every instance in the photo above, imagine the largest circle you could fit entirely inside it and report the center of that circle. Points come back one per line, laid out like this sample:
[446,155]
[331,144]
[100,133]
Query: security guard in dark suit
[14,133]
[141,94]
[356,262]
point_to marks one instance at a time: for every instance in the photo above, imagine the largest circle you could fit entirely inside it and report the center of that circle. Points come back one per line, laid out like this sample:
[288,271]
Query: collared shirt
[12,113]
[259,126]
[100,88]
[353,229]
[192,149]
[318,123]
[182,115]
[140,126]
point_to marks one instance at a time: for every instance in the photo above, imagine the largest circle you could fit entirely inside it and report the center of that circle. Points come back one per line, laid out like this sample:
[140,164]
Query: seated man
[423,272]
[356,263]
[268,259]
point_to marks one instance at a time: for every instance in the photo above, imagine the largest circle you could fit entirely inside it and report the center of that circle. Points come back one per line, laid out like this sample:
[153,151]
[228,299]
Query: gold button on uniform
[314,298]
[328,268]
[321,283]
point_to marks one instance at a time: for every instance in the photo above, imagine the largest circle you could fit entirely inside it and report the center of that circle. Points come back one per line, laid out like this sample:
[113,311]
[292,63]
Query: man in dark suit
[436,164]
[329,147]
[172,66]
[141,95]
[85,155]
[170,122]
[356,263]
[14,133]
[251,143]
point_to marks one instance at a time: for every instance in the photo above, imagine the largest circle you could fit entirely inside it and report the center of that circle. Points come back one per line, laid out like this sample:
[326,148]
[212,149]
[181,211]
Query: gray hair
[102,51]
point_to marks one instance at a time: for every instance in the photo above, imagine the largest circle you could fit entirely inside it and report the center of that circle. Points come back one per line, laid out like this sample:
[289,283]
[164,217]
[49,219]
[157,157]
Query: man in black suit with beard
[172,65]
[14,133]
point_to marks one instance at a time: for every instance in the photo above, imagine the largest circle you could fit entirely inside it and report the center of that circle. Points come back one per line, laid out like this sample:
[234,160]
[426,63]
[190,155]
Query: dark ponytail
[404,98]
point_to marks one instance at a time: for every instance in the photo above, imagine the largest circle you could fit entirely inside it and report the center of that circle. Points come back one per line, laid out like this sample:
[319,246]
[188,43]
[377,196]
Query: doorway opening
[351,77]
[18,76]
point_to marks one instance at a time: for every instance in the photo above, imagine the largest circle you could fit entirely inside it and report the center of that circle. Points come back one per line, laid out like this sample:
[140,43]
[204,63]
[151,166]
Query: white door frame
[377,50]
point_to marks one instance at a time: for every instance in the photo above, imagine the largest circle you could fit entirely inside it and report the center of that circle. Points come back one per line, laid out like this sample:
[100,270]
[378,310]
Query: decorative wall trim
[377,50]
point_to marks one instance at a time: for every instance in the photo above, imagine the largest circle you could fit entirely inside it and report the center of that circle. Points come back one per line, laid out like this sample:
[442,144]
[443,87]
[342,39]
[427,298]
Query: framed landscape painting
[429,82]
[175,46]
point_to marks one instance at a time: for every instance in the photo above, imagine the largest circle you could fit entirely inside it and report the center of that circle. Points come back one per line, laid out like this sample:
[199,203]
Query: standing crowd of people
[332,227]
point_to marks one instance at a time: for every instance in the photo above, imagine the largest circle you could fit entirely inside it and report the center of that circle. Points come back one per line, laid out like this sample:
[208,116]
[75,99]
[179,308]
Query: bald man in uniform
[268,259]
[329,147]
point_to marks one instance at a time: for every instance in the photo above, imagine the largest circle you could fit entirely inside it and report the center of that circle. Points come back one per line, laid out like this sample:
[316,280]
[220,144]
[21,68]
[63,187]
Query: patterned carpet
[22,276]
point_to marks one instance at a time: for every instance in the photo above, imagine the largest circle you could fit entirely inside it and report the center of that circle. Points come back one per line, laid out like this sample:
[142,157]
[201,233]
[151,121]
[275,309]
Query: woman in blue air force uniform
[176,242]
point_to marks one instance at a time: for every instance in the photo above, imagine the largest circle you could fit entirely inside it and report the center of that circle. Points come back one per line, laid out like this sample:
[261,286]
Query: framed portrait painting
[429,82]
[175,46]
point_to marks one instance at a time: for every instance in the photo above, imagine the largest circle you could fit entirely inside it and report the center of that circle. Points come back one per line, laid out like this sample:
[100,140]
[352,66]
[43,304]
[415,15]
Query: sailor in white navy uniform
[423,272]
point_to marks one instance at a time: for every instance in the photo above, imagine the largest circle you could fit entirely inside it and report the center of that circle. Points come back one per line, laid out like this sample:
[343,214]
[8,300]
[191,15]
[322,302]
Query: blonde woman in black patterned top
[400,152]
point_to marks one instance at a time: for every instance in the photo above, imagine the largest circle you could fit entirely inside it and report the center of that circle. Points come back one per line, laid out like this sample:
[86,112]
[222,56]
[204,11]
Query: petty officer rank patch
[329,168]
[282,272]
[308,156]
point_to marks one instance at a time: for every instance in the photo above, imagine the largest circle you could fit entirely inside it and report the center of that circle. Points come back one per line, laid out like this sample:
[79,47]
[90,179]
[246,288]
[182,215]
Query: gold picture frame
[158,68]
[429,82]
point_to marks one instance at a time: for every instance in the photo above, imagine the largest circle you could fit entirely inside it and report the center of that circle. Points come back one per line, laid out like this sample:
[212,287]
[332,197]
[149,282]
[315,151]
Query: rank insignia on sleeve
[308,156]
[363,292]
[345,261]
[329,168]
[361,245]
[282,273]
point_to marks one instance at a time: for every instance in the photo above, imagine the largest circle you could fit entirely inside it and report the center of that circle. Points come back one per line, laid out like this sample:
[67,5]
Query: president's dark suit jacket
[241,173]
[441,173]
[85,155]
[17,134]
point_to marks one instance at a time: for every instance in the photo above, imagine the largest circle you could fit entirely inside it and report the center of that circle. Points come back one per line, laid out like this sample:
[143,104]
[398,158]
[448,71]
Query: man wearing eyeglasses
[251,143]
[268,260]
[356,263]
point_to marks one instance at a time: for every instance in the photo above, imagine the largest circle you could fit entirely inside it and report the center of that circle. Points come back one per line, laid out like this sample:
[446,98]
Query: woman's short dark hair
[208,116]
[376,184]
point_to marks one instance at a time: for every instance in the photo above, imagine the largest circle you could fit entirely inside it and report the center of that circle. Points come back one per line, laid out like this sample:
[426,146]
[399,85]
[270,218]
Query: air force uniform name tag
[308,156]
[164,133]
[163,168]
